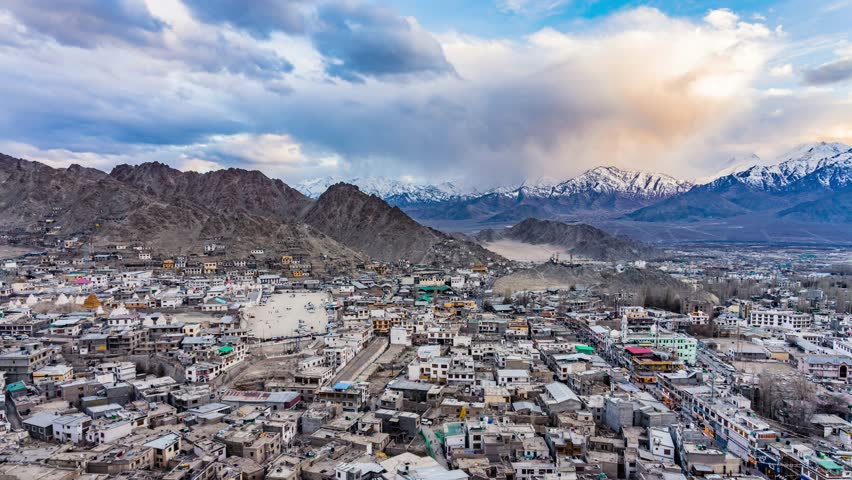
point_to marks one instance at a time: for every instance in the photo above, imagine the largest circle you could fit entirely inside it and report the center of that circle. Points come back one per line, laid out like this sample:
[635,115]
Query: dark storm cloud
[258,17]
[360,40]
[214,53]
[836,71]
[91,113]
[88,23]
[95,23]
[357,40]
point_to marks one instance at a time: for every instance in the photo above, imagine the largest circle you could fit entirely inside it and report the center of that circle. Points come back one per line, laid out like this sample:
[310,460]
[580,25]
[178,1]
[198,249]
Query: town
[121,363]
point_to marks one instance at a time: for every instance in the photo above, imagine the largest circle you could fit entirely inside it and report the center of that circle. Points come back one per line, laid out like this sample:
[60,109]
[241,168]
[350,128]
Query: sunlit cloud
[346,87]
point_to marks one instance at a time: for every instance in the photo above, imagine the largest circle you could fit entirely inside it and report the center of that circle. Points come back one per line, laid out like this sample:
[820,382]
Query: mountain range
[810,183]
[808,188]
[602,188]
[178,212]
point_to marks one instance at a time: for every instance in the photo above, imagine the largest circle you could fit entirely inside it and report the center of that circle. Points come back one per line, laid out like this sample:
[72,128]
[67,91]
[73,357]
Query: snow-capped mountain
[631,182]
[541,187]
[745,184]
[395,192]
[795,165]
[735,164]
[809,183]
[599,180]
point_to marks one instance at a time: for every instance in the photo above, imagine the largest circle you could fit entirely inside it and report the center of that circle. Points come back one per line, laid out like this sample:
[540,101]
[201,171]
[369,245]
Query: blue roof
[628,386]
[342,385]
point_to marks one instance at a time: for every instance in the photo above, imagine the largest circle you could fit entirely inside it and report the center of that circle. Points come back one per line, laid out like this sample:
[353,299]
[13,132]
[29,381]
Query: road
[437,447]
[714,362]
[350,371]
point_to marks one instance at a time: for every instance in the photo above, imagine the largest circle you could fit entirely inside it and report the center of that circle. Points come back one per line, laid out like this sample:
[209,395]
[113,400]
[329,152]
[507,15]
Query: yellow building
[519,326]
[286,259]
[645,369]
[380,269]
[168,263]
[381,326]
[136,304]
[210,267]
[779,354]
[460,304]
[53,373]
[191,329]
[480,269]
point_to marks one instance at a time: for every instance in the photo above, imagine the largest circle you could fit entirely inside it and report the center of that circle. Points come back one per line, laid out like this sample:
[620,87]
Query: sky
[486,91]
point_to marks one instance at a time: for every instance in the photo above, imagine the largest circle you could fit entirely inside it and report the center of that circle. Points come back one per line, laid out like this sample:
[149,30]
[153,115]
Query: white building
[337,357]
[512,377]
[780,318]
[106,430]
[399,336]
[71,428]
[662,445]
[122,371]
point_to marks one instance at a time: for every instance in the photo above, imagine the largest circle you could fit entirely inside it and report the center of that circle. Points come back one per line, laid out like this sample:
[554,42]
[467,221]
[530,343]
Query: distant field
[523,252]
[7,251]
[745,229]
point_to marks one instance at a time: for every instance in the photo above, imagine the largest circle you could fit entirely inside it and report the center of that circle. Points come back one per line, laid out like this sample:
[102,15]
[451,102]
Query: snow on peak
[795,164]
[615,180]
[735,164]
[813,153]
[385,188]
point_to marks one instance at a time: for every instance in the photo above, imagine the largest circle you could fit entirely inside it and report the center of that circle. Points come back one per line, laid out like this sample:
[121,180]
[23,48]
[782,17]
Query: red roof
[638,350]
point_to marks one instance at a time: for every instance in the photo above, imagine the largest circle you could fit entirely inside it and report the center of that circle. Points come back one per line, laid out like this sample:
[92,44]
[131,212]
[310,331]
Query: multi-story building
[20,364]
[830,367]
[788,319]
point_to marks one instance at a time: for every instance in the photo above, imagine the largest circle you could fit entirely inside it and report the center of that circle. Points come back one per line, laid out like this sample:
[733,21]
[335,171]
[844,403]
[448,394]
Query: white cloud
[722,19]
[530,6]
[785,70]
[778,92]
[199,165]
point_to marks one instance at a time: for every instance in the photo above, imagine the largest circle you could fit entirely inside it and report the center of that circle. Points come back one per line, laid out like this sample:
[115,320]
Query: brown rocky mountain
[370,225]
[175,212]
[222,190]
[576,239]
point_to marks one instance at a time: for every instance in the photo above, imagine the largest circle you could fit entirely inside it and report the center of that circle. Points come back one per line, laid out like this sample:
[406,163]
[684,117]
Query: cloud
[781,70]
[839,70]
[722,18]
[357,40]
[360,40]
[637,89]
[88,23]
[199,165]
[213,51]
[130,26]
[531,6]
[260,17]
[278,155]
[778,92]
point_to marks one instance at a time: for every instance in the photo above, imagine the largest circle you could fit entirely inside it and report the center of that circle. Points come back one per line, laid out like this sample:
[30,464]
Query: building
[165,448]
[53,373]
[20,364]
[71,428]
[788,319]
